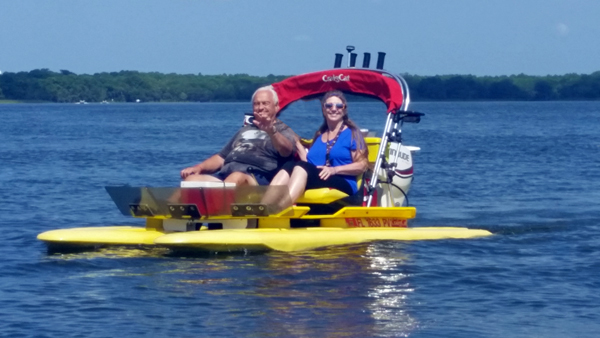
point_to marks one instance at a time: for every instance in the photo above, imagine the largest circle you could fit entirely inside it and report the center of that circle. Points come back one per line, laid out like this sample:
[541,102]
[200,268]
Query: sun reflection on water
[389,298]
[350,291]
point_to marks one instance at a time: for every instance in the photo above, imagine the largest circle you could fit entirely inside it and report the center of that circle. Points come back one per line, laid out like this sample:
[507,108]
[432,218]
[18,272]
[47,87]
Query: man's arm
[282,144]
[208,166]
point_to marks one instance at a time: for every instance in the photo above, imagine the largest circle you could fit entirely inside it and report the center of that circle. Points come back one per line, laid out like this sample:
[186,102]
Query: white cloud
[562,29]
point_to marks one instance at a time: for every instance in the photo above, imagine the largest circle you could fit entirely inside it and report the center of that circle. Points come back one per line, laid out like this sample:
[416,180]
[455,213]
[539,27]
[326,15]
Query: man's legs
[240,178]
[203,178]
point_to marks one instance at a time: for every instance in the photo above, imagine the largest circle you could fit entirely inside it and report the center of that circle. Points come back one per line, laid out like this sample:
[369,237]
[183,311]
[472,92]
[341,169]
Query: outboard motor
[393,170]
[394,181]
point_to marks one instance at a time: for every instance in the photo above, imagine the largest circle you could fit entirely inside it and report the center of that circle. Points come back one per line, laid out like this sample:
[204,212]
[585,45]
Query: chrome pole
[349,49]
[380,155]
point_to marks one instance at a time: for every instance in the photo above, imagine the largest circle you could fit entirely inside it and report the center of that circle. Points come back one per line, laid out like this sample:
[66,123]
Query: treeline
[129,86]
[498,88]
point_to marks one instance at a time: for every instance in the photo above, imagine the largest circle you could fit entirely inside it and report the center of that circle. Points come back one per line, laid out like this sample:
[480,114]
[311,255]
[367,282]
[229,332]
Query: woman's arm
[300,150]
[355,168]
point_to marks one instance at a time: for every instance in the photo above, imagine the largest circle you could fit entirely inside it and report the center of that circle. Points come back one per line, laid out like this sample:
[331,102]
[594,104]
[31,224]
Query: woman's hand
[326,172]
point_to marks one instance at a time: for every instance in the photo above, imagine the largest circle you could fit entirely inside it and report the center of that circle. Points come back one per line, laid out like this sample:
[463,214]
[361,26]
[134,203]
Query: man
[255,152]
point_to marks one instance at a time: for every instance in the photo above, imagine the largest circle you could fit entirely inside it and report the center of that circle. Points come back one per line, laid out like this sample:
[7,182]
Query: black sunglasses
[337,105]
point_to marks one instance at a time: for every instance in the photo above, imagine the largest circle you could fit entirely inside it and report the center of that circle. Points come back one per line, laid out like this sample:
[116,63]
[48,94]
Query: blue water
[528,172]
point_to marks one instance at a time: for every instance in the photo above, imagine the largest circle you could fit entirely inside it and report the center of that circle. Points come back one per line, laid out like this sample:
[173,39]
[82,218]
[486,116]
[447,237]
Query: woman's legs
[275,194]
[282,178]
[297,183]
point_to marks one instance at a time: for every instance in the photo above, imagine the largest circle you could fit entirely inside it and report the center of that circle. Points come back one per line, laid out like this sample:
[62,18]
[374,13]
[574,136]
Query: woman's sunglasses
[337,105]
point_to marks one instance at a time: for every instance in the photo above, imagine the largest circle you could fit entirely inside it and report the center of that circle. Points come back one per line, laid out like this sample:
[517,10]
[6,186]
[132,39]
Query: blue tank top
[340,154]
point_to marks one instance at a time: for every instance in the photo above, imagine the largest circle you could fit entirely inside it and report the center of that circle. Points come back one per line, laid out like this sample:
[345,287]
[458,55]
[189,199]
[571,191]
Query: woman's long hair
[361,146]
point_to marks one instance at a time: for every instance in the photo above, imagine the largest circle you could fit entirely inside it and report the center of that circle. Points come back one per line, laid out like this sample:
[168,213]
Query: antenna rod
[349,49]
[352,60]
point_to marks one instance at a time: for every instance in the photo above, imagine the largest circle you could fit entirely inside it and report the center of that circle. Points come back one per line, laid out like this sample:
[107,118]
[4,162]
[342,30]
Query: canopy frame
[389,88]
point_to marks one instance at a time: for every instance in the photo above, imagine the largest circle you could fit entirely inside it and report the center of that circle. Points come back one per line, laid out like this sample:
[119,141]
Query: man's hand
[208,166]
[195,170]
[266,124]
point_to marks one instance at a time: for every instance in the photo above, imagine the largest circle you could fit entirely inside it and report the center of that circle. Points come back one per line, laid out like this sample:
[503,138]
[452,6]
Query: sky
[285,37]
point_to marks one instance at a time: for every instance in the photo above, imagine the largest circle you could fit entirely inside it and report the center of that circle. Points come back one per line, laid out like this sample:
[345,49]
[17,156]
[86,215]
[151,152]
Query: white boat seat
[203,184]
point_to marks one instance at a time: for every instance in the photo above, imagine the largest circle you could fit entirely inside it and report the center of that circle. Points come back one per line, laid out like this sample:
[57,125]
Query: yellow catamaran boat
[216,217]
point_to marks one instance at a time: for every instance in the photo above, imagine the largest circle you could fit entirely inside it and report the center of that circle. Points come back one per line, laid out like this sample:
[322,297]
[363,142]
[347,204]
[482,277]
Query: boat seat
[326,195]
[321,196]
[373,146]
[203,184]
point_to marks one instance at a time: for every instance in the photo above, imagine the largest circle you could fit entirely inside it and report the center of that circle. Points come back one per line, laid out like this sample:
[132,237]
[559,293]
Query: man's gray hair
[270,89]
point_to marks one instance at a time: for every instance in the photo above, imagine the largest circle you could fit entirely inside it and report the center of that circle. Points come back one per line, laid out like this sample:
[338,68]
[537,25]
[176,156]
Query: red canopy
[358,81]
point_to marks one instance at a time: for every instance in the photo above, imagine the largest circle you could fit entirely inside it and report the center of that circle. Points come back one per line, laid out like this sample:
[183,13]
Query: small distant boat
[104,102]
[81,102]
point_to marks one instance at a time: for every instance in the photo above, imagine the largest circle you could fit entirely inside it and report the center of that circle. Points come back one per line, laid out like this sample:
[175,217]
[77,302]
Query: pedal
[252,209]
[140,210]
[184,211]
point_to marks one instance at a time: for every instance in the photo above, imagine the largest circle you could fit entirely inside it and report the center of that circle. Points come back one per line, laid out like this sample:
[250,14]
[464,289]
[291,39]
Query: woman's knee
[288,166]
[282,178]
[299,172]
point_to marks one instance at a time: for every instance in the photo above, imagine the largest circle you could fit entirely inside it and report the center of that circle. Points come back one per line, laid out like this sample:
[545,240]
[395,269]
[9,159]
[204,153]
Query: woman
[337,155]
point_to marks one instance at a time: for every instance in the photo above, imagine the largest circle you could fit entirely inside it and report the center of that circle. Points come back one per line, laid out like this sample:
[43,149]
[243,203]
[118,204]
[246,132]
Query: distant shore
[43,85]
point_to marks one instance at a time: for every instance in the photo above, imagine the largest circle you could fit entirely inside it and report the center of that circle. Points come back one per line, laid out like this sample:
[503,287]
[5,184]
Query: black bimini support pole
[338,60]
[380,60]
[366,60]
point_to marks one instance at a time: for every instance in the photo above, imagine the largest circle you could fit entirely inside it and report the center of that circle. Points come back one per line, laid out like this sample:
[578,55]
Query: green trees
[130,86]
[584,87]
[543,91]
[505,89]
[516,87]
